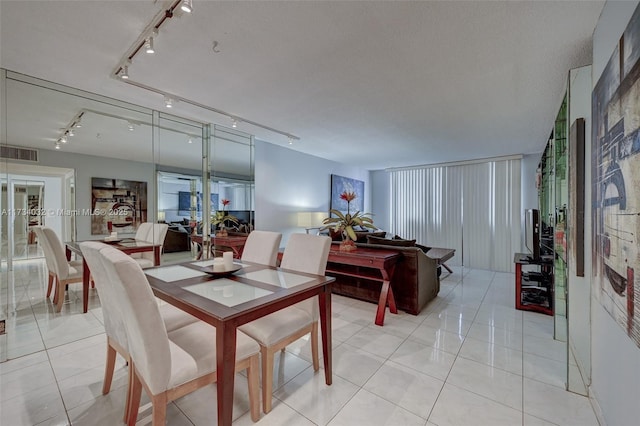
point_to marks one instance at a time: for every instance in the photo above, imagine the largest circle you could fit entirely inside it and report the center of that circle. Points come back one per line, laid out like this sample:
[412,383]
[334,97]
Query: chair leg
[55,290]
[159,414]
[130,385]
[267,378]
[314,346]
[254,393]
[135,393]
[50,285]
[108,369]
[60,292]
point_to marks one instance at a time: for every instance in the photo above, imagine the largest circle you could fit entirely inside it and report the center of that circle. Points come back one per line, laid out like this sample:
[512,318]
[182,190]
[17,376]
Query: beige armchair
[167,364]
[303,253]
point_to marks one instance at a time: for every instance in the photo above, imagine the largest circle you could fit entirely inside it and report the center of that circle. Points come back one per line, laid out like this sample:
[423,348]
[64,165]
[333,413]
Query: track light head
[63,139]
[70,132]
[290,140]
[187,6]
[234,123]
[168,102]
[57,145]
[124,74]
[149,45]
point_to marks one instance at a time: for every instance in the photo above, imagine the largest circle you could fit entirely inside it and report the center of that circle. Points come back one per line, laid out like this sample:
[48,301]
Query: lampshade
[161,217]
[310,219]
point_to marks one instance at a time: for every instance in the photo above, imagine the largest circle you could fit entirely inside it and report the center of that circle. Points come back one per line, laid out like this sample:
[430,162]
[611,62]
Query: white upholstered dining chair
[153,233]
[168,364]
[262,247]
[48,257]
[172,317]
[65,272]
[303,253]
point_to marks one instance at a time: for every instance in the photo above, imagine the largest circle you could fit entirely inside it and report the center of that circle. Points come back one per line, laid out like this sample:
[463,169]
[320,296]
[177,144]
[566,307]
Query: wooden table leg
[67,252]
[226,366]
[447,268]
[156,256]
[85,286]
[386,296]
[324,301]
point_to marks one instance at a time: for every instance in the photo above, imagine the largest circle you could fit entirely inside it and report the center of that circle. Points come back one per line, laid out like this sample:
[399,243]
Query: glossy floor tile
[469,358]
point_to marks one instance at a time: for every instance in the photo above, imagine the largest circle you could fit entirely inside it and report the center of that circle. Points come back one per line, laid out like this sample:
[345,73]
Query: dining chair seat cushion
[175,318]
[278,325]
[75,272]
[144,262]
[193,351]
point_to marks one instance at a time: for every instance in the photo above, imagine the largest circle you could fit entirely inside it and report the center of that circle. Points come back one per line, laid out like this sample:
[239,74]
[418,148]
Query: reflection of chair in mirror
[168,364]
[65,272]
[304,253]
[152,233]
[172,317]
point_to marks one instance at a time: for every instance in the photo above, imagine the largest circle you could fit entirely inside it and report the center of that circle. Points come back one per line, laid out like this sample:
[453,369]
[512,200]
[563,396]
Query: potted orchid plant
[221,217]
[345,223]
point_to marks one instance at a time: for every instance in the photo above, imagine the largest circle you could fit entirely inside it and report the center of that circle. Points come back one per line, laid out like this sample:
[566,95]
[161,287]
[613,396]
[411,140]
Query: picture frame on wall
[118,205]
[340,184]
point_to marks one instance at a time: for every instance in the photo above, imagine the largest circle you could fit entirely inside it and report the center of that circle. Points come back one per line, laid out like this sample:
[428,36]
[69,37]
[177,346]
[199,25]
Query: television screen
[532,232]
[184,201]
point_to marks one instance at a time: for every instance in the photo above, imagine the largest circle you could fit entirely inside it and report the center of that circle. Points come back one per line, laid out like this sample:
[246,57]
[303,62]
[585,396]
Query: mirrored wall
[69,157]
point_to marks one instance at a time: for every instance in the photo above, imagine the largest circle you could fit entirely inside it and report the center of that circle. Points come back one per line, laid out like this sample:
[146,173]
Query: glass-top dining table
[228,300]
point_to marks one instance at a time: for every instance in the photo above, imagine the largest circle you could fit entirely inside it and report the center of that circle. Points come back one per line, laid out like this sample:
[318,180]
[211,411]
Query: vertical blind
[472,207]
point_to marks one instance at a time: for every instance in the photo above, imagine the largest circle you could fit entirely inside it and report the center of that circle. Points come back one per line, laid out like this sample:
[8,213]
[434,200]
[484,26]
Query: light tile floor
[469,358]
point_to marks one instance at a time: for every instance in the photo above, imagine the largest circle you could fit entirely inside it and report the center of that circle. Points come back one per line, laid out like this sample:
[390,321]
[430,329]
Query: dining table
[127,245]
[229,298]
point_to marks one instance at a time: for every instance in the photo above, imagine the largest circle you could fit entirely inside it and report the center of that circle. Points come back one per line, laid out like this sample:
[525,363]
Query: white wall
[288,182]
[615,359]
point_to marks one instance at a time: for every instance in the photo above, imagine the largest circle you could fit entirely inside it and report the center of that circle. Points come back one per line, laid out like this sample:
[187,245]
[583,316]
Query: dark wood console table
[371,264]
[441,255]
[235,242]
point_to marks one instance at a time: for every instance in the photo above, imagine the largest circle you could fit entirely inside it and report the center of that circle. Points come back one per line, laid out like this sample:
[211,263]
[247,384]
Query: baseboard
[593,399]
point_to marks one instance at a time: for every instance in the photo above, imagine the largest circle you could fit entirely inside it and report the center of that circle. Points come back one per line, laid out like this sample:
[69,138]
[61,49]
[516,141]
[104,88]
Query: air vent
[17,153]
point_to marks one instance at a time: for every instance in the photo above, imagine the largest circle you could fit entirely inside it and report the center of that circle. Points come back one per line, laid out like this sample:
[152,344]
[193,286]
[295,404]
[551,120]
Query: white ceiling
[376,84]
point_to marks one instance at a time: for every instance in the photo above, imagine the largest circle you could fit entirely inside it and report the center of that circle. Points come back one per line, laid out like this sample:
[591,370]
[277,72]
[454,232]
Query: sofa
[177,239]
[415,281]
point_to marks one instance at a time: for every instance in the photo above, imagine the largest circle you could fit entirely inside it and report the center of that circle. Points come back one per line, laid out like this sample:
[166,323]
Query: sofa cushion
[395,242]
[364,235]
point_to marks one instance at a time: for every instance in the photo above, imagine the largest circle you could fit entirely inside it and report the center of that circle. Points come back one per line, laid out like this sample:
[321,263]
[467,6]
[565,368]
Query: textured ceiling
[375,84]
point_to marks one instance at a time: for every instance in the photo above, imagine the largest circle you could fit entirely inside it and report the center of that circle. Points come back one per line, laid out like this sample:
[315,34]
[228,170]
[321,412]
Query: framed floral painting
[340,184]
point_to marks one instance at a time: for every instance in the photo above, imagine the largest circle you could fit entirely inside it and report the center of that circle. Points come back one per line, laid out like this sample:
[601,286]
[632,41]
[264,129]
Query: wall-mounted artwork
[184,202]
[340,184]
[117,205]
[616,182]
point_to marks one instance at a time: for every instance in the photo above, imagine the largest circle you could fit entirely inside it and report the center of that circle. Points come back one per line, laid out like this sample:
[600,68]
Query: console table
[441,255]
[235,242]
[371,264]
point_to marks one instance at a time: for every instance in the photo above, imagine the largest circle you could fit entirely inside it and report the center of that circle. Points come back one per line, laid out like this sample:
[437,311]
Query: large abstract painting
[117,205]
[340,184]
[616,182]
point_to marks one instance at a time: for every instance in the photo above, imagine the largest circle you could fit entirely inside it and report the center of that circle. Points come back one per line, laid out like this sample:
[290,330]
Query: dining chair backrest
[306,253]
[146,333]
[48,255]
[155,234]
[58,257]
[262,247]
[143,231]
[113,323]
